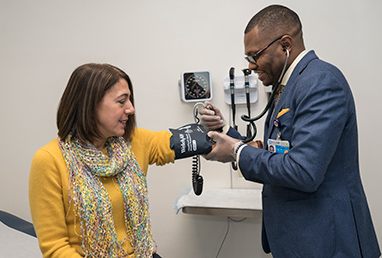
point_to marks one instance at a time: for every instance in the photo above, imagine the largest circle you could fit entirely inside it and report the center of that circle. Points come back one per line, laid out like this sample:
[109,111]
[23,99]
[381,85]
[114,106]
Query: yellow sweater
[54,221]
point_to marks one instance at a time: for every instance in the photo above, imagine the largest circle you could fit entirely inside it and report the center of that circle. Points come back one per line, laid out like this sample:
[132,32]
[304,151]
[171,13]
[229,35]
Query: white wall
[42,42]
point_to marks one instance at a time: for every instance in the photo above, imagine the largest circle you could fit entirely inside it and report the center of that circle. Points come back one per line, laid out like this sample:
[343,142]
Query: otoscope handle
[232,91]
[232,73]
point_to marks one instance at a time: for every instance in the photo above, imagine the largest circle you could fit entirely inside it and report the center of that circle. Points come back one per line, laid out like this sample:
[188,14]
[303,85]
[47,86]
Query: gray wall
[42,42]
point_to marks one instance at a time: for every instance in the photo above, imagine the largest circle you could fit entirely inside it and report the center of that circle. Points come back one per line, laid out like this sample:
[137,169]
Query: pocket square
[282,112]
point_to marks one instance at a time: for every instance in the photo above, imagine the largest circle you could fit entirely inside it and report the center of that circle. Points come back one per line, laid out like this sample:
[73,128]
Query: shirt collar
[292,66]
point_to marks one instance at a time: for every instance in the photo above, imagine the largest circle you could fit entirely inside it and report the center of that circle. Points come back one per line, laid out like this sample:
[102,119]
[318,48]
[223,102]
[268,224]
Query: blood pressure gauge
[195,86]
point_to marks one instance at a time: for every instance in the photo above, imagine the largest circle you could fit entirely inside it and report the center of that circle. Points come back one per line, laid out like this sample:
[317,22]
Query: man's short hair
[275,19]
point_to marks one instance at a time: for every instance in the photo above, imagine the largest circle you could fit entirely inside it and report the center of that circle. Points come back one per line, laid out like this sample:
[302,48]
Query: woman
[87,188]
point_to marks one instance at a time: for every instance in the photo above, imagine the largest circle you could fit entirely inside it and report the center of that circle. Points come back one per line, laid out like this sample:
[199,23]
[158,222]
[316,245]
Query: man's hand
[211,118]
[224,148]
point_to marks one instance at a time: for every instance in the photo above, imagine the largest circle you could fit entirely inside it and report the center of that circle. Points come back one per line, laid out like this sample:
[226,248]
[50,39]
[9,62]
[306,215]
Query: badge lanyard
[278,145]
[277,124]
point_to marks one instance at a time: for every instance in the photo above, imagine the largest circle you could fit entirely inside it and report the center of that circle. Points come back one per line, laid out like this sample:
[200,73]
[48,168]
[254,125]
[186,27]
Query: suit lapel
[269,126]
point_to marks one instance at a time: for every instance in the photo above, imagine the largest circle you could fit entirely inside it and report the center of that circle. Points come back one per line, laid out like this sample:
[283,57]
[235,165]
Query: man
[314,204]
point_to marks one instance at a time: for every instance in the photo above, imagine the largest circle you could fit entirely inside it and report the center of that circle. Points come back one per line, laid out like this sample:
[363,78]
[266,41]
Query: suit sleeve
[315,128]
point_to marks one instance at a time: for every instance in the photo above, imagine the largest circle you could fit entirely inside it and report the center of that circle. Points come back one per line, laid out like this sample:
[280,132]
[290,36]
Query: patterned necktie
[278,93]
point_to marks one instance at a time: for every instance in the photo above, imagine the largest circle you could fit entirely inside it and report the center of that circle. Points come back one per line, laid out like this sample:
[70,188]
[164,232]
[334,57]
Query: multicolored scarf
[91,201]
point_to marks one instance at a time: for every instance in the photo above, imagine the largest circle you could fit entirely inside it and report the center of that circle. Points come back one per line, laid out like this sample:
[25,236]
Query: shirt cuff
[225,128]
[238,159]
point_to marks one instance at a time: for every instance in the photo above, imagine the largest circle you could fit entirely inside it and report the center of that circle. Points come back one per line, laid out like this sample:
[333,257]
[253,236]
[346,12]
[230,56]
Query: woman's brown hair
[86,87]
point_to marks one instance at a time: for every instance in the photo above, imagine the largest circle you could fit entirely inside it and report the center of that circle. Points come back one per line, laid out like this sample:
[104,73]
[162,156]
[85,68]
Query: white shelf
[221,202]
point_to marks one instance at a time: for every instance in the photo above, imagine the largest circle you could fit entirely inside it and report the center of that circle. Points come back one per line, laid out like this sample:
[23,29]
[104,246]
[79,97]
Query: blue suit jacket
[314,204]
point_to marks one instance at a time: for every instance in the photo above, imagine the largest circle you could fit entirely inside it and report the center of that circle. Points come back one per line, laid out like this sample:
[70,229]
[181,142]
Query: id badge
[278,146]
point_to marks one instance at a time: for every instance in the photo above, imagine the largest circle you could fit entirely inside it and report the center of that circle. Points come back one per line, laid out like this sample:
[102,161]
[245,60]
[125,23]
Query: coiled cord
[197,179]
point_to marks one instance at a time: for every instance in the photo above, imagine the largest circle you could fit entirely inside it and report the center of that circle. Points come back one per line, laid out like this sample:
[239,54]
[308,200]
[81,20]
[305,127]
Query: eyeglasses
[253,59]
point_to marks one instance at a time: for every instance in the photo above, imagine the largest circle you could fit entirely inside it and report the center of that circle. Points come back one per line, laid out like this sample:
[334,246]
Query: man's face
[269,62]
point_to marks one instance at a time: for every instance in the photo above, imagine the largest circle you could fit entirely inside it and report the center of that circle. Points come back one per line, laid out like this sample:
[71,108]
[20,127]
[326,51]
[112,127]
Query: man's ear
[286,42]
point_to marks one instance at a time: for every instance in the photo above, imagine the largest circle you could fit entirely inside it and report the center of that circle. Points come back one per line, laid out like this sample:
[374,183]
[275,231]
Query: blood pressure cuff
[190,140]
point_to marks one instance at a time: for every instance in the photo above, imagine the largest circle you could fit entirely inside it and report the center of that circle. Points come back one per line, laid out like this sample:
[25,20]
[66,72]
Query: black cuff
[190,140]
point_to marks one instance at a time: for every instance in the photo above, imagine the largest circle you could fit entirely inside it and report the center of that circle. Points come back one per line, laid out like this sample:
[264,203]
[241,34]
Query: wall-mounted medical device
[240,89]
[195,86]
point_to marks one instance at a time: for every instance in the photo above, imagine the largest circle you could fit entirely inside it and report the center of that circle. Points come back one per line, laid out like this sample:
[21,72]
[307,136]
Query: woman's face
[113,112]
